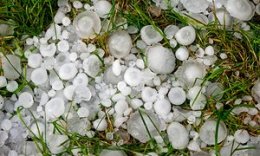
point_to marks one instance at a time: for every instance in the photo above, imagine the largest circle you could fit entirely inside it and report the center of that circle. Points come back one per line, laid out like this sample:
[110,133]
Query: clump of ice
[178,135]
[150,35]
[186,35]
[160,60]
[11,65]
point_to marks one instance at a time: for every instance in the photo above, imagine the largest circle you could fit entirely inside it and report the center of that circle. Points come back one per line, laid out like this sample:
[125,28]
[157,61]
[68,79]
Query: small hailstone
[11,65]
[150,35]
[195,6]
[182,53]
[178,135]
[12,153]
[87,24]
[3,81]
[63,46]
[186,35]
[102,8]
[198,103]
[38,129]
[80,79]
[132,29]
[149,94]
[1,101]
[162,107]
[170,31]
[255,91]
[82,93]
[116,67]
[100,124]
[126,91]
[160,60]
[191,119]
[57,85]
[173,43]
[157,81]
[209,50]
[11,86]
[58,17]
[29,41]
[66,21]
[140,63]
[223,56]
[73,56]
[6,124]
[48,50]
[141,44]
[177,96]
[120,44]
[121,106]
[55,108]
[133,76]
[200,52]
[67,71]
[3,137]
[253,111]
[26,99]
[241,136]
[51,93]
[136,103]
[106,102]
[68,92]
[83,112]
[57,143]
[148,105]
[34,60]
[77,4]
[91,65]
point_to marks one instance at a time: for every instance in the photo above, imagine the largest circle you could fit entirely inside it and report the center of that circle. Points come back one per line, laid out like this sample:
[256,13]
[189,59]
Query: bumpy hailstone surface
[134,83]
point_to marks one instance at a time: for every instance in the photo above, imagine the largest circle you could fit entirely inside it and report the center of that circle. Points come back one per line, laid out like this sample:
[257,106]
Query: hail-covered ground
[145,84]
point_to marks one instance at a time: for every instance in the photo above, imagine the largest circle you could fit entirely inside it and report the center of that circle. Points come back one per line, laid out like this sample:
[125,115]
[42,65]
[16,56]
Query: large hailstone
[57,143]
[39,76]
[178,135]
[55,108]
[162,107]
[87,24]
[186,35]
[241,136]
[241,9]
[120,44]
[256,91]
[149,35]
[11,65]
[161,60]
[136,126]
[208,130]
[223,17]
[26,100]
[196,6]
[102,8]
[92,65]
[191,73]
[68,71]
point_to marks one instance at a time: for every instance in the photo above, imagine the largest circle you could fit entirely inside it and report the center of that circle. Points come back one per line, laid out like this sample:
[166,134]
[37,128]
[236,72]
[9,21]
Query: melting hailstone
[208,130]
[195,6]
[68,71]
[55,108]
[133,76]
[87,24]
[161,60]
[92,65]
[136,126]
[26,99]
[186,35]
[39,76]
[11,65]
[120,44]
[177,96]
[149,35]
[178,135]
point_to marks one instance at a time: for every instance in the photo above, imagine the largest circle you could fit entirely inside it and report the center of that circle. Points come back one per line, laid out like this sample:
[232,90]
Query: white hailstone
[100,124]
[201,18]
[3,81]
[116,67]
[149,94]
[194,146]
[141,44]
[38,128]
[67,71]
[198,103]
[11,66]
[3,137]
[87,24]
[2,101]
[54,108]
[126,91]
[48,50]
[136,103]
[191,73]
[255,91]
[140,63]
[195,6]
[77,4]
[133,76]
[223,17]
[240,9]
[132,29]
[6,124]
[162,107]
[83,112]
[177,96]
[120,44]
[215,90]
[208,131]
[57,143]
[66,21]
[68,92]
[209,50]
[178,135]
[173,43]
[257,8]
[63,46]
[82,93]
[150,35]
[182,53]
[12,153]
[26,99]
[223,56]
[80,79]
[57,85]
[106,152]
[34,60]
[170,31]
[51,93]
[102,8]
[58,16]
[137,124]
[209,60]
[11,86]
[241,136]
[91,65]
[121,106]
[160,60]
[73,56]
[186,35]
[148,105]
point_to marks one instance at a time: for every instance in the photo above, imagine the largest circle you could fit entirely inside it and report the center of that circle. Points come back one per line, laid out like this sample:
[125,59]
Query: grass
[31,17]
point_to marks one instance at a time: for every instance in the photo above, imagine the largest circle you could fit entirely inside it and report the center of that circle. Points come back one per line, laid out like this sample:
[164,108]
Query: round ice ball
[240,9]
[55,108]
[68,71]
[39,76]
[195,6]
[162,107]
[160,59]
[182,53]
[102,8]
[186,35]
[178,135]
[133,76]
[26,99]
[91,65]
[149,35]
[177,96]
[120,44]
[100,124]
[34,60]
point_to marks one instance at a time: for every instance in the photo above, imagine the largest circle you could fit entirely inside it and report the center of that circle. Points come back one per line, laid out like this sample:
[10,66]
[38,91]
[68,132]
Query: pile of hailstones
[138,82]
